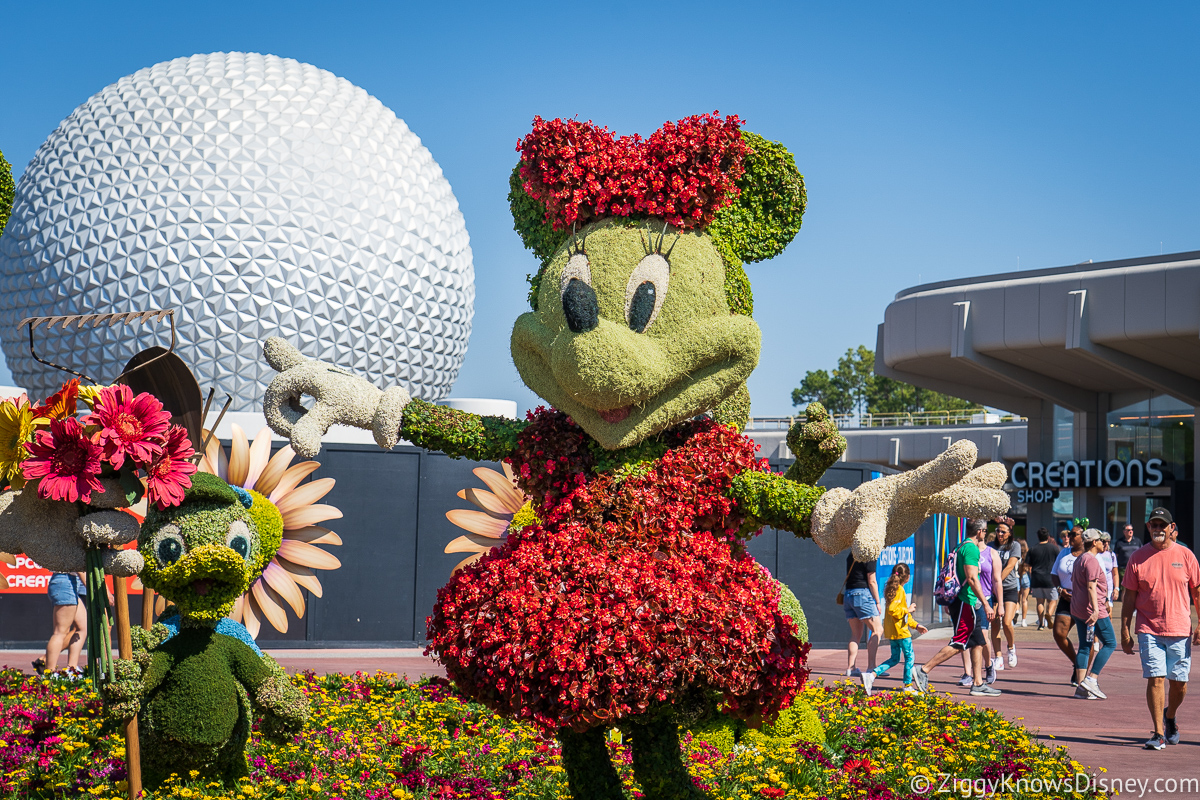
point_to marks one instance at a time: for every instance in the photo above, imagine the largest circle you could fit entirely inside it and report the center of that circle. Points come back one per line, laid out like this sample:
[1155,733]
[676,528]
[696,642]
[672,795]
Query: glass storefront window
[1064,434]
[1158,427]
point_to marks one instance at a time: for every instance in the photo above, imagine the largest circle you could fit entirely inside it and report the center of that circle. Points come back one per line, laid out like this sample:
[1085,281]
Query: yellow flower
[16,428]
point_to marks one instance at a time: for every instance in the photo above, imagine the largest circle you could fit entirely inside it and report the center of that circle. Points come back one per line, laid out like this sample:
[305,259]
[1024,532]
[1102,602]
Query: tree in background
[854,386]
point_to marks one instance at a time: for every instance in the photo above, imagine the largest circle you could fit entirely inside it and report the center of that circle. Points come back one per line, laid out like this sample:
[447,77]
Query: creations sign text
[1039,476]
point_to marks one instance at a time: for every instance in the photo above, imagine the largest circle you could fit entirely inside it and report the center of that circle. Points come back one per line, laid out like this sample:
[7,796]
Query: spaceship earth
[257,196]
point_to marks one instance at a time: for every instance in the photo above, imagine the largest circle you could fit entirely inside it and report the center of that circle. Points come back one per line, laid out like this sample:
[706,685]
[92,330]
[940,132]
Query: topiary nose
[581,307]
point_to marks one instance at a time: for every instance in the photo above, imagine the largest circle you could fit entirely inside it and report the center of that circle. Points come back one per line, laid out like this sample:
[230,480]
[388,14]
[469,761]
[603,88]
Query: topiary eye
[646,291]
[168,545]
[238,539]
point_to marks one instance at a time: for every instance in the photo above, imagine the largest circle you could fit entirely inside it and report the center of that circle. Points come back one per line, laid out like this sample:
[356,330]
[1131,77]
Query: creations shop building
[1103,359]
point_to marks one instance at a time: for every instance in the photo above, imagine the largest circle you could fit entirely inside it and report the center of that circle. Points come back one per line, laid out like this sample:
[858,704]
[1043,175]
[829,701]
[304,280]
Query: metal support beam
[1140,371]
[1025,380]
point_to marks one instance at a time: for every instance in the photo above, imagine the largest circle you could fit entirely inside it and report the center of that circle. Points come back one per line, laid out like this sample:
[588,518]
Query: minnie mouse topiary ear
[766,215]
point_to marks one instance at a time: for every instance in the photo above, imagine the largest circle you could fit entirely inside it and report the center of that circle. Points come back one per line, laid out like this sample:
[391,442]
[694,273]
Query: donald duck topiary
[631,600]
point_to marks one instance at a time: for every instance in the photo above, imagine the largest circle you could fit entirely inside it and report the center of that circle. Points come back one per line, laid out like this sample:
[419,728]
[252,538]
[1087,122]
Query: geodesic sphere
[257,196]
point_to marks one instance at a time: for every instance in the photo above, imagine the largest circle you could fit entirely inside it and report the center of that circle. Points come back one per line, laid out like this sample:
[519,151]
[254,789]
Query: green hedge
[8,191]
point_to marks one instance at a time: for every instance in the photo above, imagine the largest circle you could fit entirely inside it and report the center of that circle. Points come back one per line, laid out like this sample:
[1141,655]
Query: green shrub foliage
[459,434]
[768,211]
[8,191]
[789,606]
[771,500]
[797,723]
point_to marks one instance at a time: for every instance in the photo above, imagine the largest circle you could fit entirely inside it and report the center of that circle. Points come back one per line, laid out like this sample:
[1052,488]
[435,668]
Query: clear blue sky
[938,140]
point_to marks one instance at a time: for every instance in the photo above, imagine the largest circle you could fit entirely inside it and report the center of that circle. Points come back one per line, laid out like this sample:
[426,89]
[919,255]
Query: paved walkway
[1098,733]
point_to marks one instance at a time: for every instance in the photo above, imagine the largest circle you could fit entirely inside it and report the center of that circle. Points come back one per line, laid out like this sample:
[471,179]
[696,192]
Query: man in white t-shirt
[1061,575]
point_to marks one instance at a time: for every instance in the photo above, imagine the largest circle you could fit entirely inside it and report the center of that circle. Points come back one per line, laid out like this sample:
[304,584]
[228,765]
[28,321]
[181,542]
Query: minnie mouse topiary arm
[459,434]
[787,501]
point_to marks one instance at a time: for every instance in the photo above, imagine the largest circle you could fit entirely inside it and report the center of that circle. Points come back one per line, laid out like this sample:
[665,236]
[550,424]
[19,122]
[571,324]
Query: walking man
[1125,546]
[1040,560]
[1063,621]
[969,605]
[1158,580]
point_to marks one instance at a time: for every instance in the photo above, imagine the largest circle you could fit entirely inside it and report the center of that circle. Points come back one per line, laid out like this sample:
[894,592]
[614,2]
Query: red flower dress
[634,588]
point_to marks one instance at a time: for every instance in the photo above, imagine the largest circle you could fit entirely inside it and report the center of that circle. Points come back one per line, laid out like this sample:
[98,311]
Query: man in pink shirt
[1158,580]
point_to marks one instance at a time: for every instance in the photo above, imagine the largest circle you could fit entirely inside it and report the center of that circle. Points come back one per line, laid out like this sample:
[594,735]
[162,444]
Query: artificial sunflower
[502,509]
[16,428]
[295,566]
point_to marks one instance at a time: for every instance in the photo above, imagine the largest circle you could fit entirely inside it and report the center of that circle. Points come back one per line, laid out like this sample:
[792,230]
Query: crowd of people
[1074,583]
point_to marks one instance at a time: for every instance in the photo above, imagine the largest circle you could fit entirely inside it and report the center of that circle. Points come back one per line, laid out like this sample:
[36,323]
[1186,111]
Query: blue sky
[938,140]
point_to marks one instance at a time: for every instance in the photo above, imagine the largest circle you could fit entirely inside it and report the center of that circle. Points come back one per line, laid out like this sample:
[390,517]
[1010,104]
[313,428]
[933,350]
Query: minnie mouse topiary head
[641,307]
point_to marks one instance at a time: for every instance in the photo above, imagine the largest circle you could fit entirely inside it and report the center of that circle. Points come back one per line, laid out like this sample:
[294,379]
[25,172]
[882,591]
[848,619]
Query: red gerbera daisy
[66,461]
[129,426]
[167,475]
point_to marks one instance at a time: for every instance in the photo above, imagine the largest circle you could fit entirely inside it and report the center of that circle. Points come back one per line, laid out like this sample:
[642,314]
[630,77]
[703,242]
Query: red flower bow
[683,173]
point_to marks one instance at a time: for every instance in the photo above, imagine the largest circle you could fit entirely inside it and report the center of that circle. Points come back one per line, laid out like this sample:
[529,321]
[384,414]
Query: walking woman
[1010,583]
[1089,607]
[66,590]
[861,604]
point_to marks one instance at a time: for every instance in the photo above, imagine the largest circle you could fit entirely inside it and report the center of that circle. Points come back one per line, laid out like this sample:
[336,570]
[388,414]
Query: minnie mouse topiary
[632,602]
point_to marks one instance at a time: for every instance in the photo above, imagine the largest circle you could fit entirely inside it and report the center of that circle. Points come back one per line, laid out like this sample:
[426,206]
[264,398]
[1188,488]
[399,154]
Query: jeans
[1108,643]
[901,649]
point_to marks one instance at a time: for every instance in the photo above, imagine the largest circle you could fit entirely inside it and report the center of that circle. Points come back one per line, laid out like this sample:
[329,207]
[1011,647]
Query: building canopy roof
[1064,334]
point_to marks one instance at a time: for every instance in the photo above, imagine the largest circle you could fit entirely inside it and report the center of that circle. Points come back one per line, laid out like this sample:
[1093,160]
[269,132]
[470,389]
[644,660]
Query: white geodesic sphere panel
[256,195]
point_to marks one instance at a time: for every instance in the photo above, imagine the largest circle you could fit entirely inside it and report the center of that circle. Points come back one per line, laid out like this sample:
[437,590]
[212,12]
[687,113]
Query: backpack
[946,589]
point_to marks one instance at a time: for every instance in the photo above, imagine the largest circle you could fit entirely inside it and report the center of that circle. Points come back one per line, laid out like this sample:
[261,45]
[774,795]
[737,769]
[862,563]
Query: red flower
[773,792]
[61,404]
[66,461]
[129,426]
[167,475]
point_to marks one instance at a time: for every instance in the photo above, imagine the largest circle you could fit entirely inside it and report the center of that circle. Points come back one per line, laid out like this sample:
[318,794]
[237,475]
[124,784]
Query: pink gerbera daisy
[129,426]
[66,461]
[168,474]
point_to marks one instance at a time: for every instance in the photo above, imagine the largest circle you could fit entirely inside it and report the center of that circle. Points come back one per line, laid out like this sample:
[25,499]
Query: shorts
[859,604]
[1044,593]
[1025,581]
[1064,607]
[1165,656]
[65,589]
[1012,595]
[967,632]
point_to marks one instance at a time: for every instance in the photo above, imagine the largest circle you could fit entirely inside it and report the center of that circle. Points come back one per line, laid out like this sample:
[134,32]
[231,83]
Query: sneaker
[990,677]
[39,665]
[1156,742]
[985,690]
[1090,685]
[998,664]
[1172,736]
[965,680]
[854,672]
[910,689]
[1012,657]
[1024,623]
[1073,681]
[868,680]
[1081,693]
[921,679]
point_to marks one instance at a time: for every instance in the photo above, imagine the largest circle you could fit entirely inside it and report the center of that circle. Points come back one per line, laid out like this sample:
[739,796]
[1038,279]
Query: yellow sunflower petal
[314,534]
[490,503]
[478,522]
[215,455]
[305,576]
[305,495]
[508,472]
[160,604]
[236,613]
[291,479]
[510,495]
[470,544]
[308,556]
[310,515]
[239,456]
[251,616]
[274,470]
[467,562]
[260,453]
[8,558]
[270,604]
[279,580]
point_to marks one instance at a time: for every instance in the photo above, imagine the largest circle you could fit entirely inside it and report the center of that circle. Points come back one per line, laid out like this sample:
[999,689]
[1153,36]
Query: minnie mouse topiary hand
[342,399]
[888,510]
[815,443]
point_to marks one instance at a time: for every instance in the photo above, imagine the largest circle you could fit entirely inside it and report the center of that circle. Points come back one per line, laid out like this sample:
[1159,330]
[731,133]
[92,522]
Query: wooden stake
[147,608]
[133,753]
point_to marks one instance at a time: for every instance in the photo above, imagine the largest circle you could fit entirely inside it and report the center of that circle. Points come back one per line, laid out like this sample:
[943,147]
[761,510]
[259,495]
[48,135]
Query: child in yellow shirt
[897,622]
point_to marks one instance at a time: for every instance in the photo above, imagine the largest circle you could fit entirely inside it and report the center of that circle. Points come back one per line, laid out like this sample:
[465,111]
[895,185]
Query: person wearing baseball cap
[1159,579]
[1090,612]
[1108,560]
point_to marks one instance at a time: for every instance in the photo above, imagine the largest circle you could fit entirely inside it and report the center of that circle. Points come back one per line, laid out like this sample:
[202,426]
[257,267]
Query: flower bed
[382,737]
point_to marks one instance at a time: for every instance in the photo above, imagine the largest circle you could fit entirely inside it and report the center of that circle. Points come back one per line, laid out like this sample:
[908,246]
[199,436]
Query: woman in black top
[861,604]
